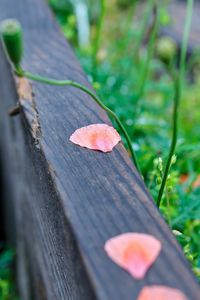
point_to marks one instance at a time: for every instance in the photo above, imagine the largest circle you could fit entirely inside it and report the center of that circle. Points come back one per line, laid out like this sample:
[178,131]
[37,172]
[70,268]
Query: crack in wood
[28,105]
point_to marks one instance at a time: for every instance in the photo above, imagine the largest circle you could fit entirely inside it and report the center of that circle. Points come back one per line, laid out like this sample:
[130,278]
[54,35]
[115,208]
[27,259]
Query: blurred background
[125,47]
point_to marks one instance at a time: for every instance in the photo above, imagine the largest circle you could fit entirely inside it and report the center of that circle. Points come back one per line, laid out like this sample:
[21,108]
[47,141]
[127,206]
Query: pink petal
[161,293]
[96,137]
[135,252]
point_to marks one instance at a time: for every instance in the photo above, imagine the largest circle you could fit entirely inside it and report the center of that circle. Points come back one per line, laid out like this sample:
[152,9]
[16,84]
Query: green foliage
[65,15]
[187,221]
[7,287]
[125,3]
[122,55]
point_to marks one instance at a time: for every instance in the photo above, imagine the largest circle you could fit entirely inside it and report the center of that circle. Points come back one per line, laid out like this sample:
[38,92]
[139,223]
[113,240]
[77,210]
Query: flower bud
[158,180]
[177,233]
[173,160]
[166,49]
[11,35]
[169,189]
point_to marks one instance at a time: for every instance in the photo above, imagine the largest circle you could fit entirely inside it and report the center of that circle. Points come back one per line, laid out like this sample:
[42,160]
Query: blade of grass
[179,83]
[145,66]
[98,35]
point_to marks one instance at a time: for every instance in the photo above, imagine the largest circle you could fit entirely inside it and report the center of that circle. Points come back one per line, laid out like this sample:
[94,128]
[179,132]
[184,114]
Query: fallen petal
[135,252]
[161,293]
[96,137]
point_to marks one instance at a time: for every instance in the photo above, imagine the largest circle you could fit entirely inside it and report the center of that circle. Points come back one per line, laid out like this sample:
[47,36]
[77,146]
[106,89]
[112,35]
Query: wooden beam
[63,202]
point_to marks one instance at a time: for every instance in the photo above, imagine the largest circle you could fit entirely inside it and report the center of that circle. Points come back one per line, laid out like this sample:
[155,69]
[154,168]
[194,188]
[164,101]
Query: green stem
[145,67]
[178,93]
[50,81]
[120,51]
[98,34]
[141,35]
[173,143]
[185,44]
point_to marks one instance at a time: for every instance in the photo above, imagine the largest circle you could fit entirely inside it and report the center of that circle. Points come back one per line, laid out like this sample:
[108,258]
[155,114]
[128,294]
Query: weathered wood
[66,200]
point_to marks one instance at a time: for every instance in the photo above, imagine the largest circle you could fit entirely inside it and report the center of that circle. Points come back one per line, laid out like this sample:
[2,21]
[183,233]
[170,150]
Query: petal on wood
[161,293]
[135,252]
[96,137]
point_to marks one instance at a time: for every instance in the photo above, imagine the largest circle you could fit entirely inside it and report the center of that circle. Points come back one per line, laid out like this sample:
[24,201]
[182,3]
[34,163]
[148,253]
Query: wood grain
[67,201]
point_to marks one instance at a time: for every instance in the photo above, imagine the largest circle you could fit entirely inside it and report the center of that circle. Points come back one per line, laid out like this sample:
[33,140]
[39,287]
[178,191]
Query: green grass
[121,59]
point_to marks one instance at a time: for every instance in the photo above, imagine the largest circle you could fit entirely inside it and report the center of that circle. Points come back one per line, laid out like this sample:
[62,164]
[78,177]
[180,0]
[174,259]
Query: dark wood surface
[66,200]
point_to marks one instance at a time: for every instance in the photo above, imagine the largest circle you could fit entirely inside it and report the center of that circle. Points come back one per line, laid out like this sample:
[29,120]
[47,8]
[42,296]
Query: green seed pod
[177,233]
[166,49]
[173,160]
[11,34]
[158,180]
[169,189]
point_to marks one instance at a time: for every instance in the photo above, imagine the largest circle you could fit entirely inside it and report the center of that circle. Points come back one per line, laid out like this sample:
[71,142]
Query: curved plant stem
[141,35]
[179,82]
[145,67]
[119,51]
[98,34]
[185,44]
[173,143]
[79,86]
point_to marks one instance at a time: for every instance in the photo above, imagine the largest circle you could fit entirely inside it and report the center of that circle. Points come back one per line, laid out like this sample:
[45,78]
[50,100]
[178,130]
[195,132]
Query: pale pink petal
[135,252]
[161,293]
[96,137]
